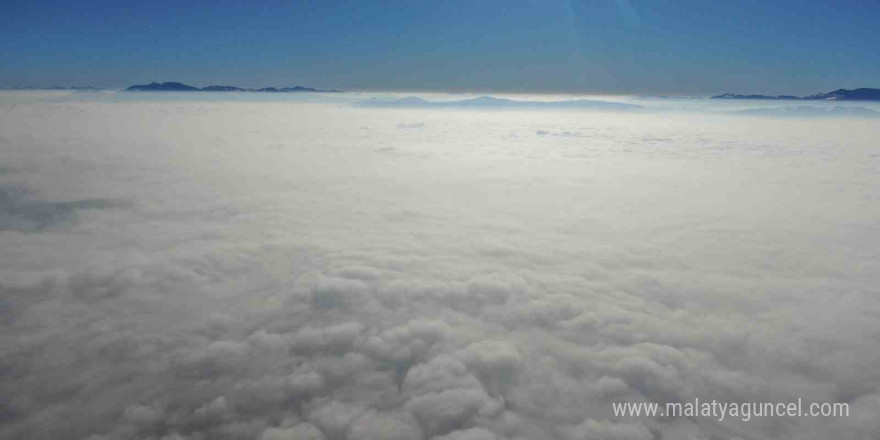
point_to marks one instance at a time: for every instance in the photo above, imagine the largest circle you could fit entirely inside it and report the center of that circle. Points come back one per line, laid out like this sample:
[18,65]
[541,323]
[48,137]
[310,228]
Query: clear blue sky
[594,46]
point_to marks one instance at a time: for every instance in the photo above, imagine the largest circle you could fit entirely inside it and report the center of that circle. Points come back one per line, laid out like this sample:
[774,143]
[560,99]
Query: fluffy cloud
[193,270]
[302,431]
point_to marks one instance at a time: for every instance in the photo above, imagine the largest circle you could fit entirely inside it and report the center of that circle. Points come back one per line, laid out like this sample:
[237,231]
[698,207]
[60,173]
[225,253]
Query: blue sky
[591,46]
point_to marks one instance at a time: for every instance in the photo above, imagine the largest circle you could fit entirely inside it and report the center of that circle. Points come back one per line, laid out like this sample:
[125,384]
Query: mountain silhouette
[863,94]
[162,87]
[180,87]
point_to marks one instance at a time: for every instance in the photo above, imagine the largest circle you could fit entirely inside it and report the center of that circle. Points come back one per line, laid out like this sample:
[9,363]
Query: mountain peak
[162,87]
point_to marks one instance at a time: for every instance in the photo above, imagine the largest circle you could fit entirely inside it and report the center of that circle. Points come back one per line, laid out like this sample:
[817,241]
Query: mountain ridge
[860,94]
[488,102]
[180,87]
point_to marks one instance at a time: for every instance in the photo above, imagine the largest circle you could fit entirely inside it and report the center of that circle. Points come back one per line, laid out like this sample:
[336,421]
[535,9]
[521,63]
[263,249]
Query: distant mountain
[307,89]
[162,87]
[803,111]
[295,89]
[736,96]
[863,94]
[222,89]
[499,103]
[179,87]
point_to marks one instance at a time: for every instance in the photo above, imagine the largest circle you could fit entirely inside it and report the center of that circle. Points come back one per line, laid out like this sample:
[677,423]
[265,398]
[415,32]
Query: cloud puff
[302,431]
[608,430]
[241,269]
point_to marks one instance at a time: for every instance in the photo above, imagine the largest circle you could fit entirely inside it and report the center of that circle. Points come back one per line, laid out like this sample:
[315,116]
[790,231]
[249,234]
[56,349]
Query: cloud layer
[279,270]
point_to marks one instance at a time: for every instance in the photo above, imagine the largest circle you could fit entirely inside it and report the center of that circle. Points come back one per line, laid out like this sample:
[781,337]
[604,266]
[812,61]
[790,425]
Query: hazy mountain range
[863,94]
[860,94]
[490,102]
[180,87]
[809,111]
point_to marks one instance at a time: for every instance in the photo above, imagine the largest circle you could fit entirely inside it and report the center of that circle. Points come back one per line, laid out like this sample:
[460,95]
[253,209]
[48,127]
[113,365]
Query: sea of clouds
[282,269]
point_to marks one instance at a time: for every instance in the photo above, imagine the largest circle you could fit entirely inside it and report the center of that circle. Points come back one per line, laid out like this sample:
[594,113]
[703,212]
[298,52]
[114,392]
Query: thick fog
[183,267]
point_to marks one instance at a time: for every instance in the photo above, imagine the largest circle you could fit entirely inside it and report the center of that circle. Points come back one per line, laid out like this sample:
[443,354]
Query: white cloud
[259,270]
[302,431]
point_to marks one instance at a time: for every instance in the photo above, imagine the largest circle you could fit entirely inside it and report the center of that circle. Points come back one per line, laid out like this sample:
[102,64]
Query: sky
[590,46]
